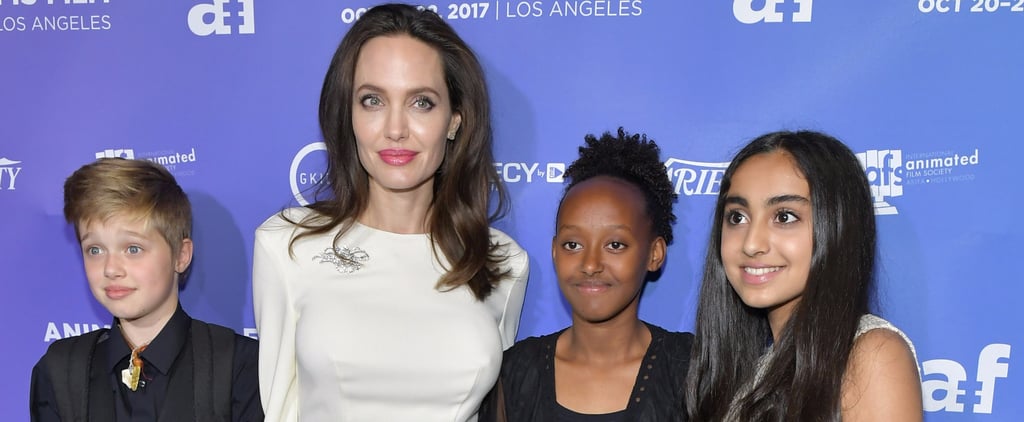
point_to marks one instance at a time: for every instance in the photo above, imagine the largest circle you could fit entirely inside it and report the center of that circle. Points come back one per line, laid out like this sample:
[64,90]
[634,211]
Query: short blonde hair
[139,189]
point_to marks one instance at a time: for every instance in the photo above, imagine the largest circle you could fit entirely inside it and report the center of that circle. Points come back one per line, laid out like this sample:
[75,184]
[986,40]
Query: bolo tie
[132,376]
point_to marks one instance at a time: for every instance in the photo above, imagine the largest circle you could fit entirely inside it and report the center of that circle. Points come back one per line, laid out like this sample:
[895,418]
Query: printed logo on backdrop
[55,16]
[178,163]
[771,11]
[530,172]
[942,380]
[519,10]
[884,170]
[222,17]
[59,330]
[304,174]
[9,171]
[695,177]
[888,172]
[976,6]
[128,154]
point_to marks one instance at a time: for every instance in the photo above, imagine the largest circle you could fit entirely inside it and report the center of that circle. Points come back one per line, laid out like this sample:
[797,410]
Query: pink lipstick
[397,157]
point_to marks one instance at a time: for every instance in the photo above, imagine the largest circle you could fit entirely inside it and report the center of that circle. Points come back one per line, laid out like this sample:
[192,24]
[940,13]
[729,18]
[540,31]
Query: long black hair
[803,380]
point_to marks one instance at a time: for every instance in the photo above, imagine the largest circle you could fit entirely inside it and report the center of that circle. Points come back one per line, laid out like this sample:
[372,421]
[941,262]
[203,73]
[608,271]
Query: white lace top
[867,323]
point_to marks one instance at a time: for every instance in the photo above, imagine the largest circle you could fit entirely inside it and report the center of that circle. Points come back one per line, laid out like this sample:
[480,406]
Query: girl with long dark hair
[784,330]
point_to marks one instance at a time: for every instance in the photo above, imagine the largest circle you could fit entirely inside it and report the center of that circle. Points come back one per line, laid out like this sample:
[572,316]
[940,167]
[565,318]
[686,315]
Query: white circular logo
[294,171]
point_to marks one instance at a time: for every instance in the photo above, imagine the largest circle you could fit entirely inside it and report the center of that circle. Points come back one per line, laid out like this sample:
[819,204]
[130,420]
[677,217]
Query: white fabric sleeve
[519,274]
[275,323]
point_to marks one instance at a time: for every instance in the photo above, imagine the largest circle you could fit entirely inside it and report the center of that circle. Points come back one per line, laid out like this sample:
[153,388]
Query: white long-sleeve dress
[372,338]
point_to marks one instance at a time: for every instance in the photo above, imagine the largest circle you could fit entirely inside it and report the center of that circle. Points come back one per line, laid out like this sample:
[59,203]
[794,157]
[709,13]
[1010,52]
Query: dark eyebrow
[367,87]
[563,227]
[420,90]
[738,200]
[775,200]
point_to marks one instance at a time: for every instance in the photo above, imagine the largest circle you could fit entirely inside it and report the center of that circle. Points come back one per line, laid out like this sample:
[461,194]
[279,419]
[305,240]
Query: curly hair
[635,159]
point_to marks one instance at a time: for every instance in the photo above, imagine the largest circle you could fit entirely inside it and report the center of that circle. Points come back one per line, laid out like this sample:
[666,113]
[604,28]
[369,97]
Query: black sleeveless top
[528,382]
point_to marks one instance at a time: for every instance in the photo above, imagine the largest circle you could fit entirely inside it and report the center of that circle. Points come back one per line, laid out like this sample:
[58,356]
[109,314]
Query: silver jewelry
[346,260]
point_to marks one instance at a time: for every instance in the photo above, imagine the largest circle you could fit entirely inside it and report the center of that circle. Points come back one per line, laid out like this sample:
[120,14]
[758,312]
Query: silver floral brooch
[346,260]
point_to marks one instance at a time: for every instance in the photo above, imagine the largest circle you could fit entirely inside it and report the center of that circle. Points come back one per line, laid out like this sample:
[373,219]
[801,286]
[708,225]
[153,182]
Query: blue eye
[134,250]
[93,250]
[371,101]
[423,103]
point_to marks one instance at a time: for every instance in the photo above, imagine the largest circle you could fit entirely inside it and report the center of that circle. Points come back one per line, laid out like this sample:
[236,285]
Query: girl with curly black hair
[612,229]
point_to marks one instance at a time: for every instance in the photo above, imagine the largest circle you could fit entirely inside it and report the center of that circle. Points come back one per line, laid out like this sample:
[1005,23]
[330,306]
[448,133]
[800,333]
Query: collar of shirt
[161,352]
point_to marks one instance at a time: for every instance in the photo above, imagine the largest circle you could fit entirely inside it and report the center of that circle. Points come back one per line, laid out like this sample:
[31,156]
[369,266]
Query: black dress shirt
[168,355]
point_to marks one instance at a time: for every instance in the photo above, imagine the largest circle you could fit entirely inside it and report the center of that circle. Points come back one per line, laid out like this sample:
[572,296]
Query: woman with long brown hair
[392,299]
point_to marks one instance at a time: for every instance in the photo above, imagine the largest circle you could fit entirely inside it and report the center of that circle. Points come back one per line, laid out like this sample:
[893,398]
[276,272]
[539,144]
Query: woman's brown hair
[460,217]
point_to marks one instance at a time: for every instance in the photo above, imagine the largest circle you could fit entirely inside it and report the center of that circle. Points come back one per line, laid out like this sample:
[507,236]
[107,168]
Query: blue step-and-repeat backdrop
[929,93]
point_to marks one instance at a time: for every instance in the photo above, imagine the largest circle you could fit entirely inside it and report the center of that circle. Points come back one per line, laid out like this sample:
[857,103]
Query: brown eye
[616,246]
[734,218]
[786,217]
